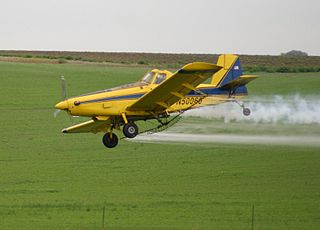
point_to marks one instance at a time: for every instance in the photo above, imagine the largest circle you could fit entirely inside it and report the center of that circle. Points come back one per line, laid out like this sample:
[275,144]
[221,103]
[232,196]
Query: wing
[175,88]
[92,126]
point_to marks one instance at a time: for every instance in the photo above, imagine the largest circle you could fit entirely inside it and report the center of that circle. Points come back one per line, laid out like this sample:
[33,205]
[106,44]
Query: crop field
[53,181]
[252,63]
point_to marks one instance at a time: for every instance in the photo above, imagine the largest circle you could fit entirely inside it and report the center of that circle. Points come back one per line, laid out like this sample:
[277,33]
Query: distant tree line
[295,53]
[293,61]
[281,69]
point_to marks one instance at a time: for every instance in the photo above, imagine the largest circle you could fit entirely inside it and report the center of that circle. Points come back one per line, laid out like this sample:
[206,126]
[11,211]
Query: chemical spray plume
[288,110]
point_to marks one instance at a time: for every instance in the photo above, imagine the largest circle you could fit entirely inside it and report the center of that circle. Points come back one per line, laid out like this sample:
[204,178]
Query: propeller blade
[63,87]
[63,94]
[56,112]
[64,97]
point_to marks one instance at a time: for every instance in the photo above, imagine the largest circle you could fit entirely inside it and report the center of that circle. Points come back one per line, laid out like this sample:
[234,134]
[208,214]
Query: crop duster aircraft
[157,95]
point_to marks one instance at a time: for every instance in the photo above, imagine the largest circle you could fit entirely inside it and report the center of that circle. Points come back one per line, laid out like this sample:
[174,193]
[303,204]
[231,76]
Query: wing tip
[199,67]
[64,131]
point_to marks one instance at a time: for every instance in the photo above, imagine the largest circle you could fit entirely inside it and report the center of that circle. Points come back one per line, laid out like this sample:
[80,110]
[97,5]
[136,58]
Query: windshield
[160,78]
[148,77]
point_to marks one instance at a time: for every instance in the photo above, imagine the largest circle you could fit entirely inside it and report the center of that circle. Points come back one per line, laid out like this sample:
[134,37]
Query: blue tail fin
[231,70]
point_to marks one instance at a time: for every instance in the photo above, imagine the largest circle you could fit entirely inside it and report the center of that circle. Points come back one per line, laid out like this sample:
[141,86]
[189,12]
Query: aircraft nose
[63,105]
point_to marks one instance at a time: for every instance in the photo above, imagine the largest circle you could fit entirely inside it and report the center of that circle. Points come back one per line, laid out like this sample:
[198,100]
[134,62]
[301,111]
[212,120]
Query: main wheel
[246,111]
[130,130]
[110,140]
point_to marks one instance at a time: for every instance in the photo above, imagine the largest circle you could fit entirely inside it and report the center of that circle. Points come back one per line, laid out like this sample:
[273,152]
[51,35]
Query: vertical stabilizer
[230,71]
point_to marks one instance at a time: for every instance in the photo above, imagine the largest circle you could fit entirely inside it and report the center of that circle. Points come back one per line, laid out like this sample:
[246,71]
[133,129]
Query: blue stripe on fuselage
[131,96]
[218,91]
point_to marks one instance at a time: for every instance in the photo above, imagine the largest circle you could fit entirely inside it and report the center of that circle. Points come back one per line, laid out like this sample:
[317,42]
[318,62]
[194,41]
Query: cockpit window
[160,78]
[148,77]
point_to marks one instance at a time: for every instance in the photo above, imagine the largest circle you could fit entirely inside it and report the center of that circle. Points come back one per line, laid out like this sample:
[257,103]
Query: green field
[54,181]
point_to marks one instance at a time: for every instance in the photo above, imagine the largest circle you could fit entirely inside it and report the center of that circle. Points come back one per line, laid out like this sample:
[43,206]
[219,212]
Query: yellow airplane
[157,95]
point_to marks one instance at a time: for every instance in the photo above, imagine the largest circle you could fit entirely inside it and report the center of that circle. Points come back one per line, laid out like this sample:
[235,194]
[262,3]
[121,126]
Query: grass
[54,181]
[269,84]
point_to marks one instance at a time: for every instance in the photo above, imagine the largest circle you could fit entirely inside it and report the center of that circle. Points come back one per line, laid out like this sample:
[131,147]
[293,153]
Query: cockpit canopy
[155,77]
[148,78]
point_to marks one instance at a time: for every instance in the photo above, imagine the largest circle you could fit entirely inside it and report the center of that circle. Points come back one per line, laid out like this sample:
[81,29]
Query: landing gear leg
[110,140]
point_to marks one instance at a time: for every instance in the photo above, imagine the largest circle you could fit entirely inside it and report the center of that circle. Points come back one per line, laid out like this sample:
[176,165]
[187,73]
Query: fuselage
[115,101]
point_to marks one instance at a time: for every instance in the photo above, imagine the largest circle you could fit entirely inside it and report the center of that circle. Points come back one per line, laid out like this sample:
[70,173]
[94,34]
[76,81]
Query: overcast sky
[174,26]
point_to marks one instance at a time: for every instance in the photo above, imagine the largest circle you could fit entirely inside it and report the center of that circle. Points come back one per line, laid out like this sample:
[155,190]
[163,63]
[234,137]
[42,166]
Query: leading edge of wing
[177,86]
[199,67]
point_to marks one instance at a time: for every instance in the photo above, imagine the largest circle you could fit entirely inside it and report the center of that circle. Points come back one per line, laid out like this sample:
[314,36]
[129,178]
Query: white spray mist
[287,110]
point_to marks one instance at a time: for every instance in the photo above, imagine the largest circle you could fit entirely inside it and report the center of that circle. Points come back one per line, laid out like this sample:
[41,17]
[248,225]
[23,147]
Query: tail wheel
[246,111]
[110,140]
[130,130]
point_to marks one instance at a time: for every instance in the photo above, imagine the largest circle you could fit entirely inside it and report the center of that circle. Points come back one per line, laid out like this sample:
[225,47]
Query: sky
[267,27]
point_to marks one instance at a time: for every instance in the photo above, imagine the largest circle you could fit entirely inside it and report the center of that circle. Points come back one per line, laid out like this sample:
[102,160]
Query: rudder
[231,70]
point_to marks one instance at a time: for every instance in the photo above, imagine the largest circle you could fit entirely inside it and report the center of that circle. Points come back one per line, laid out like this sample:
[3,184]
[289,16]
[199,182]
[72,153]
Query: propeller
[63,94]
[63,87]
[56,112]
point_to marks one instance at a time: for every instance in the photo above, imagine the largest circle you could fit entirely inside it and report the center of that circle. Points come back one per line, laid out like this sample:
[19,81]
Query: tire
[130,130]
[110,142]
[246,111]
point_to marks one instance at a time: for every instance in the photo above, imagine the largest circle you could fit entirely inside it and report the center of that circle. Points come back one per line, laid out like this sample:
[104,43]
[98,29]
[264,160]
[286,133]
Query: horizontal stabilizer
[241,81]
